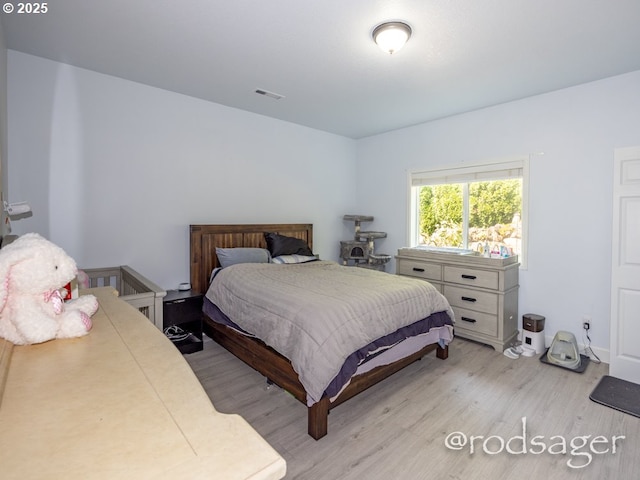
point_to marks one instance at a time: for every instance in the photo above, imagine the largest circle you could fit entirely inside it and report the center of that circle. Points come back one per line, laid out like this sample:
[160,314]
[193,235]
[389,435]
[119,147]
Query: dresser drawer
[471,276]
[416,268]
[472,299]
[477,322]
[483,292]
[181,311]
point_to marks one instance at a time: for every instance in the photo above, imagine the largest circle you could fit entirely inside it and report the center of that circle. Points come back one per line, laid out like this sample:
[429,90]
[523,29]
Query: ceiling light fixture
[391,36]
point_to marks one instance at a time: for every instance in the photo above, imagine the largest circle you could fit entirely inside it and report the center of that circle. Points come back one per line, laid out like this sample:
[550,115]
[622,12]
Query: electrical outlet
[586,322]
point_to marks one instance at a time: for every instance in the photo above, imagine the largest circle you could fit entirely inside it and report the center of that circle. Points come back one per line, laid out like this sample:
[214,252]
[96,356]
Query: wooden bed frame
[203,242]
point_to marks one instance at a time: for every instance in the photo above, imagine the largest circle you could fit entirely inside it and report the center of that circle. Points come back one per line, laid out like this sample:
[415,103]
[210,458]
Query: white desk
[118,403]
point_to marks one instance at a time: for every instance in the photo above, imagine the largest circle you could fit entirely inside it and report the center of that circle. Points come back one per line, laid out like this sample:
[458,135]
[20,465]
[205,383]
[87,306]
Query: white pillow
[294,258]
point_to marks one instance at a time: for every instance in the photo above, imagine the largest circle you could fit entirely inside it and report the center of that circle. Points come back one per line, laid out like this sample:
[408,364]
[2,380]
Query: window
[471,207]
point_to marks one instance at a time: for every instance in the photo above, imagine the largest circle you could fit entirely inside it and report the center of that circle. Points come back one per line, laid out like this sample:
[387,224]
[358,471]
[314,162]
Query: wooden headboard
[205,238]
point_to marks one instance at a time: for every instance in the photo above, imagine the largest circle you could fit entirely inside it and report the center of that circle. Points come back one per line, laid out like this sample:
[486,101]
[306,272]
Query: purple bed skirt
[359,357]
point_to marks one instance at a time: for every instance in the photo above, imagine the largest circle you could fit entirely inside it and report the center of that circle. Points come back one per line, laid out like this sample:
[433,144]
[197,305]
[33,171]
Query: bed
[279,367]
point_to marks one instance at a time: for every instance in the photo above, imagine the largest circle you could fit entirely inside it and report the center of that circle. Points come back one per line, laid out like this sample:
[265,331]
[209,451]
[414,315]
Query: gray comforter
[316,314]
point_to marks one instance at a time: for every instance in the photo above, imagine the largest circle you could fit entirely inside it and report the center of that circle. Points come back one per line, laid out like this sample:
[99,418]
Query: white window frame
[515,167]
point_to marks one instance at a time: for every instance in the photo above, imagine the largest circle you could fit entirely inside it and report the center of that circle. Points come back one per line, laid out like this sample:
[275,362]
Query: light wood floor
[397,429]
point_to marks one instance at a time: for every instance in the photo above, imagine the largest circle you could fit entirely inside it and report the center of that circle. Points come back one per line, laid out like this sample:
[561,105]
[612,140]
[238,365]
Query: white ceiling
[463,55]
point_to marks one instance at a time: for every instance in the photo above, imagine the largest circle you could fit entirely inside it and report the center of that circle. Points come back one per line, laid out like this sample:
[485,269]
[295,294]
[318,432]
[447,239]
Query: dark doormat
[618,394]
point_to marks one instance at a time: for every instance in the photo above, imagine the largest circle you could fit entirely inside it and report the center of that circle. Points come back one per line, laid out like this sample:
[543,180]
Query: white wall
[570,187]
[3,125]
[116,171]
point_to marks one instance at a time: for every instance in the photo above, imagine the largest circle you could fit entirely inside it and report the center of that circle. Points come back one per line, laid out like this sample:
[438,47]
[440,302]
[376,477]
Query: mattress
[327,319]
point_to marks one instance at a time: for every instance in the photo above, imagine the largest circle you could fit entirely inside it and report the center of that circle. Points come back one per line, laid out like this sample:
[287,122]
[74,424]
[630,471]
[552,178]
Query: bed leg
[317,418]
[442,353]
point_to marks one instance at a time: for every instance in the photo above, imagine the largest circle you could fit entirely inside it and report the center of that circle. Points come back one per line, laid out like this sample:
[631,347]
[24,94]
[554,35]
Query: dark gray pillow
[283,245]
[231,256]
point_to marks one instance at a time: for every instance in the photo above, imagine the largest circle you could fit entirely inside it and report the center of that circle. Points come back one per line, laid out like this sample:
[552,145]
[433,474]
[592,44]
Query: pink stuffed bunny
[32,272]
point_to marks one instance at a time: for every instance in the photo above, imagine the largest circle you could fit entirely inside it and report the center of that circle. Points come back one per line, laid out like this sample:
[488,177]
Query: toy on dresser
[33,270]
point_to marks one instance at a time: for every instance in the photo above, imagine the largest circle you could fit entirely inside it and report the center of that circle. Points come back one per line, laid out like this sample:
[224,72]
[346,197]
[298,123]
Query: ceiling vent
[267,93]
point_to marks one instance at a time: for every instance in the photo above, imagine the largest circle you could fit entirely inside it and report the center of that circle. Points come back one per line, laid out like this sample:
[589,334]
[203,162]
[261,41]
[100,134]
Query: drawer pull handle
[182,300]
[468,299]
[467,319]
[469,277]
[416,269]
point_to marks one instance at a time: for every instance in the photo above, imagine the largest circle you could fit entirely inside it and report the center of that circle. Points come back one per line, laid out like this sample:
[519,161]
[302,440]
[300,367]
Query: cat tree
[360,251]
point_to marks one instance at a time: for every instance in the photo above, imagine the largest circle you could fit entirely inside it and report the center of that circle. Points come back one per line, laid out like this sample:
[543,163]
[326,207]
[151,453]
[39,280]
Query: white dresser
[483,292]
